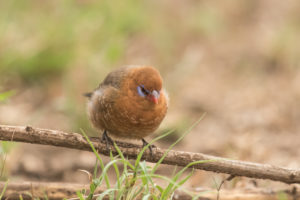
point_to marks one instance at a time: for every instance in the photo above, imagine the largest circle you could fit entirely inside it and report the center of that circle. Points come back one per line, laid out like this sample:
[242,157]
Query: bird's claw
[108,141]
[151,147]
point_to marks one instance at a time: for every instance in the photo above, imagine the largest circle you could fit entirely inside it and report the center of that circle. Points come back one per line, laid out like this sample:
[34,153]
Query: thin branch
[67,190]
[216,164]
[41,190]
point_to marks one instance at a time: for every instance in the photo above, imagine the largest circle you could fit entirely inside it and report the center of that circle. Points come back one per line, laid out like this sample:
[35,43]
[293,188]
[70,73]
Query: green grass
[42,41]
[282,196]
[5,95]
[4,189]
[4,150]
[5,147]
[138,179]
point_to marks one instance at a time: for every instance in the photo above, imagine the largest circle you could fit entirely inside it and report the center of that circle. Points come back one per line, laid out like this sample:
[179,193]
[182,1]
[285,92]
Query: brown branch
[180,158]
[53,191]
[40,190]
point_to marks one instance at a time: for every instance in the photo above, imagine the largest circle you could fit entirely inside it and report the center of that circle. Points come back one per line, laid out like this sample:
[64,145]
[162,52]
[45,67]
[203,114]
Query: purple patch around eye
[140,92]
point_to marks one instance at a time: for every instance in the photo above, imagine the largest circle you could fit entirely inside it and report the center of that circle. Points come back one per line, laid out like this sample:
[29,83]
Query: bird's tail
[88,94]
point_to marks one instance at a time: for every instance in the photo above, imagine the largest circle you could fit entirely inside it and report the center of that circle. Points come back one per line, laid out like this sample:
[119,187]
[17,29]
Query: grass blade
[179,139]
[97,155]
[4,189]
[79,194]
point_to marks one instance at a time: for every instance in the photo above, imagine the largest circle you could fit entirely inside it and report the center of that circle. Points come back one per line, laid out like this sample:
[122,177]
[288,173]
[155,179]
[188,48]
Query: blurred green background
[236,60]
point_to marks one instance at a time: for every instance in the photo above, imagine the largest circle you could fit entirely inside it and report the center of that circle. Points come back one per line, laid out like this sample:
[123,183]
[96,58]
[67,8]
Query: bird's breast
[131,118]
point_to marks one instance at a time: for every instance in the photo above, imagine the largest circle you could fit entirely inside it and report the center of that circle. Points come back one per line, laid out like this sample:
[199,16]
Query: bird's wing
[115,78]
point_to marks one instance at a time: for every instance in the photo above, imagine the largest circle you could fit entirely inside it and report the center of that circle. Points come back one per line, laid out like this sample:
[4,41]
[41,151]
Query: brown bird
[129,103]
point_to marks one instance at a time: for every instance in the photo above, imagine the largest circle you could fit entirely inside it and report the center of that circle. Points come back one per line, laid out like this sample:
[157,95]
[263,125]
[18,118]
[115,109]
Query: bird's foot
[108,141]
[145,143]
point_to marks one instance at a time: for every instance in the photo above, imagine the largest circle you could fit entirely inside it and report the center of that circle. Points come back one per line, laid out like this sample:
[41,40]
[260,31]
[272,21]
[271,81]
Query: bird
[130,103]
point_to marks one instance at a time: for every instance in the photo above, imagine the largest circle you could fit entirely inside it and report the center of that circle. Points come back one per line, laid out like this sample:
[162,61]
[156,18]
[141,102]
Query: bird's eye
[142,91]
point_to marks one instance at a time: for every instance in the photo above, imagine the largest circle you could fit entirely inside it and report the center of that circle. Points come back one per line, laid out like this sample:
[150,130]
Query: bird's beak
[154,96]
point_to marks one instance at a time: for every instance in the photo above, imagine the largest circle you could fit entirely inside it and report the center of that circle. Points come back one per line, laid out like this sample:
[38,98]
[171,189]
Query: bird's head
[147,84]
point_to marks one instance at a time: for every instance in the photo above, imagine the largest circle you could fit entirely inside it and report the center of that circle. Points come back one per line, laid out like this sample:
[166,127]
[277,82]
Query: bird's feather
[115,77]
[88,94]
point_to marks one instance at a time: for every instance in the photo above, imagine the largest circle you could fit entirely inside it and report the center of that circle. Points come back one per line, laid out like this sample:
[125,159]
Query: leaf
[79,194]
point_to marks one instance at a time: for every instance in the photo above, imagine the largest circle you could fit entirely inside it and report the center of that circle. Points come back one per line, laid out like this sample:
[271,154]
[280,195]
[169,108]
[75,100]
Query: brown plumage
[129,103]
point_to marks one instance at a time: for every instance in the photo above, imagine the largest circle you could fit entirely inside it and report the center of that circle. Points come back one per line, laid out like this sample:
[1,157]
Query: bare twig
[40,190]
[67,190]
[221,184]
[180,158]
